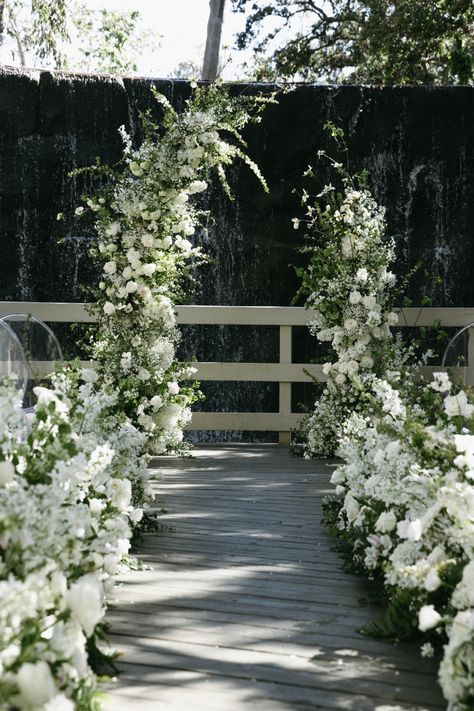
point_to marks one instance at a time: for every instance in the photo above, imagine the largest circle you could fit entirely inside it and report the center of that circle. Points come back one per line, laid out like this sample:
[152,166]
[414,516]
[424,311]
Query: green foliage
[111,40]
[365,41]
[398,622]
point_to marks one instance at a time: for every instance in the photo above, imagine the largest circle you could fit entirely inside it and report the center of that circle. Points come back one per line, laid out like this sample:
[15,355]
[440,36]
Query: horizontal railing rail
[285,372]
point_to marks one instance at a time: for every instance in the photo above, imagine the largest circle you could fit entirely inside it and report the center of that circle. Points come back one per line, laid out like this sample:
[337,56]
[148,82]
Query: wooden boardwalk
[245,605]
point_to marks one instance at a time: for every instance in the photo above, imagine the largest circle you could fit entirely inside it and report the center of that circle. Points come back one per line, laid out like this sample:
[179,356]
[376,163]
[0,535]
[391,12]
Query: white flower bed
[408,514]
[66,513]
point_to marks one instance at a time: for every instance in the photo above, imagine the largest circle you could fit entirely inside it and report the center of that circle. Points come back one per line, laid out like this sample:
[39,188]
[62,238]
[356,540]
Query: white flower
[386,522]
[79,210]
[147,240]
[7,472]
[352,507]
[428,618]
[441,382]
[143,374]
[113,229]
[369,301]
[362,275]
[136,515]
[110,267]
[88,375]
[148,269]
[156,402]
[432,580]
[35,684]
[296,223]
[427,650]
[131,287]
[411,530]
[109,308]
[457,405]
[173,387]
[355,297]
[84,599]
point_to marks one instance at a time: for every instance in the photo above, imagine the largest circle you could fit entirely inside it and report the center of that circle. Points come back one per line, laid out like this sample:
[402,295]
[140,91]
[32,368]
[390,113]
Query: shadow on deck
[244,603]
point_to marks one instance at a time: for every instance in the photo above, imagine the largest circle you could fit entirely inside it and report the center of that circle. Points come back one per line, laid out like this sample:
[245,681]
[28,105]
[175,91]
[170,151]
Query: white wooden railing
[285,372]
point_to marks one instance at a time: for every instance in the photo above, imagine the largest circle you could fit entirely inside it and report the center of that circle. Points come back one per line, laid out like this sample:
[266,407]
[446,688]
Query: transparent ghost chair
[13,365]
[41,351]
[458,352]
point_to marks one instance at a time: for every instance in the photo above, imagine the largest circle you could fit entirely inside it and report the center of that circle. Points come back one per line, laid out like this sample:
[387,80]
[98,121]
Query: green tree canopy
[360,41]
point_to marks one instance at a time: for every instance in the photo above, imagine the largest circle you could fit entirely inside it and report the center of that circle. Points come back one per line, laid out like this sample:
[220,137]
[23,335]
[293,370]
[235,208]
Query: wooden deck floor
[245,605]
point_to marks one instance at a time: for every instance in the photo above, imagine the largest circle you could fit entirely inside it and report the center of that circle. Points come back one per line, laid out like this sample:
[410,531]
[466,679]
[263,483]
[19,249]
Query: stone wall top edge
[37,73]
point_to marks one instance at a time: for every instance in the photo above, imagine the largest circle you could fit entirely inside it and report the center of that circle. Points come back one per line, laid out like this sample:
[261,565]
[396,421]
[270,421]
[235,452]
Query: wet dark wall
[418,144]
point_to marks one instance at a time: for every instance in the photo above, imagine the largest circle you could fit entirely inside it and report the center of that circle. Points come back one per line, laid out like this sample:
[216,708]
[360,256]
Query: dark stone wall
[417,143]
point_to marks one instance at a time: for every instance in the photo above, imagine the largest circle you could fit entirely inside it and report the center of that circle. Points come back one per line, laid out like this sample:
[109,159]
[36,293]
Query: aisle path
[245,605]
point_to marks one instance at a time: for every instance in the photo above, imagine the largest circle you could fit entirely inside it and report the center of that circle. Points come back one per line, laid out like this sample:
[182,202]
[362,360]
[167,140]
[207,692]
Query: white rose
[327,367]
[455,405]
[84,599]
[148,269]
[428,618]
[88,375]
[78,210]
[386,522]
[366,362]
[136,515]
[351,506]
[392,318]
[127,273]
[109,308]
[369,301]
[110,267]
[35,684]
[120,491]
[156,402]
[167,242]
[131,287]
[362,275]
[173,388]
[355,297]
[143,374]
[340,378]
[147,240]
[113,229]
[432,580]
[7,472]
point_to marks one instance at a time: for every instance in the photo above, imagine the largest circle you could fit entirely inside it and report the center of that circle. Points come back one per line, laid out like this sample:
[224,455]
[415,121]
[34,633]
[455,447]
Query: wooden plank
[48,311]
[258,372]
[241,610]
[238,315]
[249,421]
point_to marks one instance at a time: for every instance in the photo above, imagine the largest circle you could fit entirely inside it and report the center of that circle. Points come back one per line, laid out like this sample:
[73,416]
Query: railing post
[469,373]
[284,437]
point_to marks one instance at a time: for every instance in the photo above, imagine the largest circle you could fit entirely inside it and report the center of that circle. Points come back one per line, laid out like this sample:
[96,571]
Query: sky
[183,25]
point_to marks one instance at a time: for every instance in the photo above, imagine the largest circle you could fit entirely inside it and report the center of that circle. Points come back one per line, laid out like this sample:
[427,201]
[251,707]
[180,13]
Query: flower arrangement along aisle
[145,220]
[406,516]
[350,293]
[66,516]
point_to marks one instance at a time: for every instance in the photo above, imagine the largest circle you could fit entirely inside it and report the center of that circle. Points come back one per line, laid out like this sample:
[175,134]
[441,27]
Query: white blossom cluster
[408,508]
[66,515]
[350,292]
[146,224]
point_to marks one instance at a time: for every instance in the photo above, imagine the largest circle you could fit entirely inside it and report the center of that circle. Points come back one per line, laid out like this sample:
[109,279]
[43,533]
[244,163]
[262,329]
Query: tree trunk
[2,21]
[214,29]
